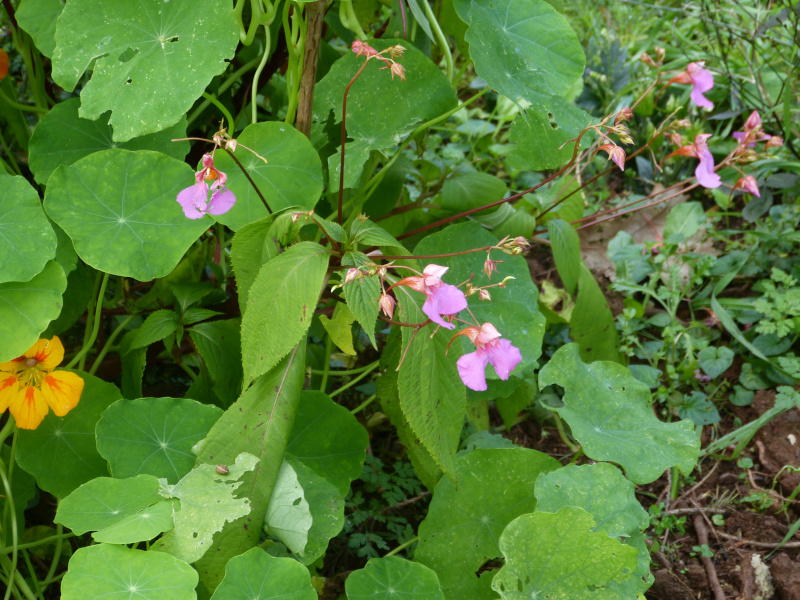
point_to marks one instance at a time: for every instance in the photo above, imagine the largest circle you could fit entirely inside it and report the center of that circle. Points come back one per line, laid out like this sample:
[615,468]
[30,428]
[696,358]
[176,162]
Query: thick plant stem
[109,343]
[316,17]
[441,40]
[257,75]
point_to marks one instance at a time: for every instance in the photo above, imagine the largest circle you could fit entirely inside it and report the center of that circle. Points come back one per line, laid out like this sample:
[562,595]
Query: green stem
[18,579]
[35,580]
[42,542]
[188,371]
[440,39]
[80,357]
[401,547]
[211,98]
[18,106]
[327,367]
[109,343]
[675,487]
[232,78]
[340,373]
[10,156]
[355,380]
[348,18]
[344,137]
[364,404]
[257,74]
[57,553]
[562,432]
[14,533]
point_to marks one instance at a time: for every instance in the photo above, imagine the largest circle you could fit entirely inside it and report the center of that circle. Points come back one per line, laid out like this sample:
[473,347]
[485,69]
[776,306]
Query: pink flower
[442,299]
[752,131]
[701,80]
[194,199]
[489,349]
[748,184]
[615,153]
[698,374]
[705,170]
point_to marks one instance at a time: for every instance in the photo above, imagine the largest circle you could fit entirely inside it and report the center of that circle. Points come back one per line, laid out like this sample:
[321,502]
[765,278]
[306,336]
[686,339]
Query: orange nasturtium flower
[29,384]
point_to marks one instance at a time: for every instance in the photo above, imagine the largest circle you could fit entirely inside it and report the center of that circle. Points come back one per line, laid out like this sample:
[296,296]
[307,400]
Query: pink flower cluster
[699,149]
[195,201]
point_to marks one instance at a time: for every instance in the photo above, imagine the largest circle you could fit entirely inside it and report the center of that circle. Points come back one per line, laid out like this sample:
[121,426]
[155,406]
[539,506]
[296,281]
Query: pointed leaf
[362,295]
[251,248]
[340,328]
[566,252]
[592,324]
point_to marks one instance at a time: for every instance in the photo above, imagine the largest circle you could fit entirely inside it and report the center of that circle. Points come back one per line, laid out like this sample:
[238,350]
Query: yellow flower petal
[49,353]
[62,390]
[28,408]
[9,388]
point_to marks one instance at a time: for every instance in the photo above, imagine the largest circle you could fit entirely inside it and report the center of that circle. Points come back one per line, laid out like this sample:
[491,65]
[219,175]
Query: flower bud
[351,275]
[624,115]
[615,153]
[387,304]
[682,123]
[397,69]
[660,52]
[748,184]
[774,141]
[231,145]
[522,242]
[396,51]
[647,59]
[489,267]
[484,295]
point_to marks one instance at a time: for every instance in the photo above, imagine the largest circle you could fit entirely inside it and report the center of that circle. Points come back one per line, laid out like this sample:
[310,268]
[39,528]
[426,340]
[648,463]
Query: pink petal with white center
[472,370]
[444,300]
[487,333]
[193,200]
[221,202]
[504,358]
[435,271]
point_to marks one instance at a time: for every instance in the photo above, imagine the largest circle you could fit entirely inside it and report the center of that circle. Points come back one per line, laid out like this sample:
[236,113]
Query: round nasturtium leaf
[61,453]
[153,58]
[27,308]
[112,571]
[255,575]
[138,527]
[38,18]
[61,138]
[292,175]
[27,241]
[494,487]
[393,578]
[120,209]
[153,435]
[559,556]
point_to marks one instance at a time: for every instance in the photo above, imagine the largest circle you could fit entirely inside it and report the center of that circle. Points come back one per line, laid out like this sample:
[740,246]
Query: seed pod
[223,469]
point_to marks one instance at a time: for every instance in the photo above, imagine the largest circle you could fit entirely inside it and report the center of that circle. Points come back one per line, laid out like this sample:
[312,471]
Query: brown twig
[316,18]
[405,502]
[702,536]
[755,544]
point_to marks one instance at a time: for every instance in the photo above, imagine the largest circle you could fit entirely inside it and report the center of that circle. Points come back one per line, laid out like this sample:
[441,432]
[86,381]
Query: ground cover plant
[374,299]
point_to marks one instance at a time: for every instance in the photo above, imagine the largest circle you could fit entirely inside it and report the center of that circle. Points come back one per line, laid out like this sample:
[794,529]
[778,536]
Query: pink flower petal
[435,270]
[472,370]
[444,300]
[705,171]
[221,202]
[504,358]
[702,81]
[193,200]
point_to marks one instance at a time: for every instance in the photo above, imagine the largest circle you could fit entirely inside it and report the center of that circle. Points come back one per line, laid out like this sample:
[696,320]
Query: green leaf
[340,328]
[471,190]
[367,233]
[119,208]
[258,423]
[494,487]
[523,48]
[715,360]
[610,414]
[432,396]
[75,300]
[391,578]
[292,175]
[288,514]
[141,526]
[38,18]
[23,490]
[27,241]
[362,295]
[153,436]
[110,571]
[255,575]
[697,407]
[133,364]
[510,406]
[559,556]
[338,458]
[207,503]
[156,327]
[378,120]
[62,138]
[61,452]
[592,324]
[683,221]
[251,248]
[138,49]
[27,308]
[566,251]
[280,306]
[219,344]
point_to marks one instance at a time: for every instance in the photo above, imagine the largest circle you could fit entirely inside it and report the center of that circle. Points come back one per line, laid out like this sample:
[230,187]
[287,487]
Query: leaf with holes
[119,208]
[138,48]
[153,436]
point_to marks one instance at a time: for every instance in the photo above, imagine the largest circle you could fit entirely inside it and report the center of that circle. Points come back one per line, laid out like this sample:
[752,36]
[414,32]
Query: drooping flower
[615,153]
[29,384]
[701,80]
[705,170]
[442,299]
[195,201]
[748,184]
[752,131]
[491,349]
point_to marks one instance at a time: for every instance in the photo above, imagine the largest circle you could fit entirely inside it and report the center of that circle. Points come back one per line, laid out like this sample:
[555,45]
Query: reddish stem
[344,137]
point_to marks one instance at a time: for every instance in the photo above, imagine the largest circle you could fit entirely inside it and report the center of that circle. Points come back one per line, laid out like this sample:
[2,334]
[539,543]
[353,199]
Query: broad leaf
[27,241]
[559,556]
[61,138]
[292,175]
[119,208]
[471,190]
[494,487]
[38,18]
[138,48]
[592,324]
[141,526]
[683,221]
[391,578]
[610,414]
[220,346]
[362,295]
[110,571]
[61,452]
[153,436]
[715,360]
[27,308]
[340,328]
[251,248]
[280,306]
[255,575]
[566,252]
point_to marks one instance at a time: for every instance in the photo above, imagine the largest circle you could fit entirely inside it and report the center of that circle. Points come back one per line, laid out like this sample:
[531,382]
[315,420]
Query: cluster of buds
[620,129]
[659,60]
[483,291]
[223,139]
[305,215]
[753,133]
[513,246]
[394,53]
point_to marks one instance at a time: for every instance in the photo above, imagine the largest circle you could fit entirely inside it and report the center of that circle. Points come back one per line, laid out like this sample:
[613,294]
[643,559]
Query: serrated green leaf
[195,315]
[367,233]
[27,241]
[559,556]
[153,436]
[610,414]
[38,18]
[255,575]
[137,49]
[62,138]
[61,452]
[340,328]
[219,344]
[362,295]
[566,251]
[280,306]
[251,248]
[27,308]
[494,487]
[392,577]
[134,229]
[292,175]
[108,571]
